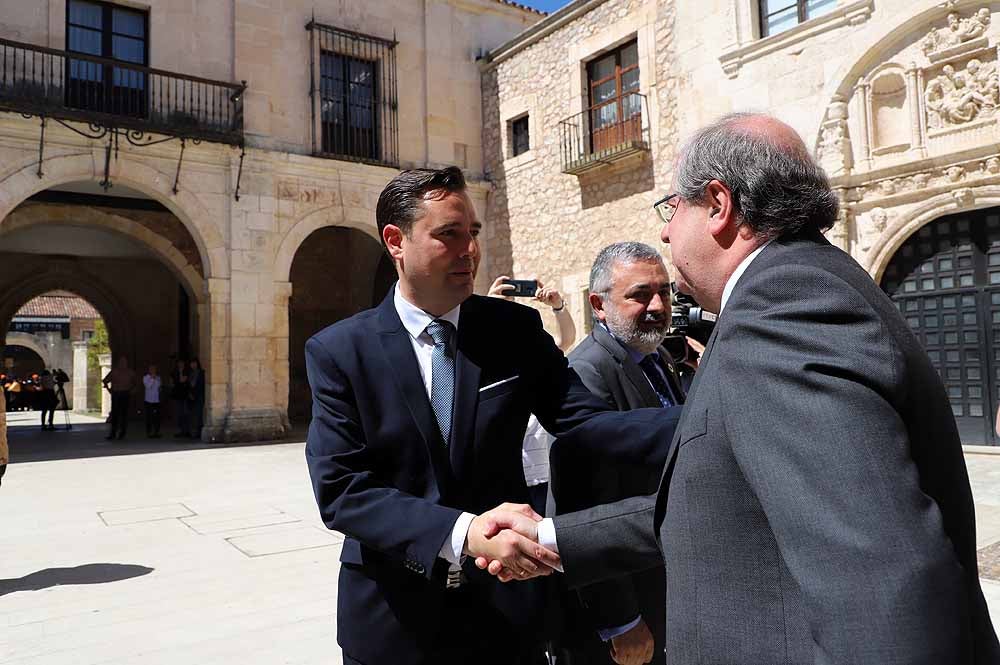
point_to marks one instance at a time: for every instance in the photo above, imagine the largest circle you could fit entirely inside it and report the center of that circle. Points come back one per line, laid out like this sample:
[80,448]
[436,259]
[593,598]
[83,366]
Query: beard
[628,330]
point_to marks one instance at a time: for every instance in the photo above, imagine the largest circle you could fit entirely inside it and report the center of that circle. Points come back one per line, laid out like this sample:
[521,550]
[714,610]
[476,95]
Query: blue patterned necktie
[650,367]
[442,375]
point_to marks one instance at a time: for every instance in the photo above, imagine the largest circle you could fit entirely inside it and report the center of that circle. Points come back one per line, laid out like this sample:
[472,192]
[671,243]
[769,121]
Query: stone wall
[547,224]
[867,85]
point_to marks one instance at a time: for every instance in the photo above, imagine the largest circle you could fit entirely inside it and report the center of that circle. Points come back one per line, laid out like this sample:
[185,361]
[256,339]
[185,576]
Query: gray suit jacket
[815,505]
[609,372]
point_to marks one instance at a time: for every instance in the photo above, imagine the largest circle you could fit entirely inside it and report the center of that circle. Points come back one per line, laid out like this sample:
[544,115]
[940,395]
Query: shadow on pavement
[28,444]
[90,573]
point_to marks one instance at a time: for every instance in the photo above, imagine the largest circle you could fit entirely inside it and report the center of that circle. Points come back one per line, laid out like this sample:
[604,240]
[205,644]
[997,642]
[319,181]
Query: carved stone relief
[958,31]
[877,221]
[959,97]
[834,149]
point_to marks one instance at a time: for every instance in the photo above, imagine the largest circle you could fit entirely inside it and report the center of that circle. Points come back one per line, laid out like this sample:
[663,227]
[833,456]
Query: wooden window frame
[597,142]
[108,31]
[105,96]
[617,76]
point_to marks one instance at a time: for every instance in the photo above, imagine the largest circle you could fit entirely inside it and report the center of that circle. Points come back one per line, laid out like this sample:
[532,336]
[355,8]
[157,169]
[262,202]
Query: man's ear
[721,209]
[597,303]
[392,236]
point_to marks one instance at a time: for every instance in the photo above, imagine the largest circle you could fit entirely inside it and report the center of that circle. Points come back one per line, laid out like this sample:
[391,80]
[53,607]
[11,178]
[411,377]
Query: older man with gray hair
[815,505]
[622,362]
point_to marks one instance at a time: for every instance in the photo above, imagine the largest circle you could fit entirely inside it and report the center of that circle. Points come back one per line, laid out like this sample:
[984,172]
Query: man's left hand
[634,647]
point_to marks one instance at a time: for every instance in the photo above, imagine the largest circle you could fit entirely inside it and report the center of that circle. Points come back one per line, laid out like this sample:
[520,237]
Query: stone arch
[305,226]
[910,222]
[87,217]
[874,50]
[94,290]
[29,341]
[22,182]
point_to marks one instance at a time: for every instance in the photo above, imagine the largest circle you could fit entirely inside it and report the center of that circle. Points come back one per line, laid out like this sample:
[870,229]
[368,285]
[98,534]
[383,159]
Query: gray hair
[619,252]
[777,190]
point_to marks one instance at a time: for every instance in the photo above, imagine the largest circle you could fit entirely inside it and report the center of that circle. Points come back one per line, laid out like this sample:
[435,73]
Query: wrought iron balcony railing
[35,80]
[604,133]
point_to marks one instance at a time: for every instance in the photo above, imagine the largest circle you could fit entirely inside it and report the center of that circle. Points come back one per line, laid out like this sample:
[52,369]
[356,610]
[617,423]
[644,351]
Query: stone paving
[174,553]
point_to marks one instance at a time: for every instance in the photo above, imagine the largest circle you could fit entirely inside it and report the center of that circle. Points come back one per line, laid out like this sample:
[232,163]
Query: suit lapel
[398,349]
[630,369]
[668,468]
[467,373]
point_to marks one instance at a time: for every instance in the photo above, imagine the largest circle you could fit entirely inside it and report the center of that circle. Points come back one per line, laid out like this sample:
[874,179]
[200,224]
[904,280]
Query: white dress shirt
[546,528]
[152,385]
[416,320]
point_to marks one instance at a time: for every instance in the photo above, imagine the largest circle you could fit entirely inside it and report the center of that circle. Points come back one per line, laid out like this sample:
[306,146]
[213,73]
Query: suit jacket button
[420,569]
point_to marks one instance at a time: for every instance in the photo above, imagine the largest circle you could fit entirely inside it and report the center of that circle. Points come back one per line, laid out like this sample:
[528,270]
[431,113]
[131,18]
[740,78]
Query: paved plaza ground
[178,553]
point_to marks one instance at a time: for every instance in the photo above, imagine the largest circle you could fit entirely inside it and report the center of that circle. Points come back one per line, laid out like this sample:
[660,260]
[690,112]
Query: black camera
[688,319]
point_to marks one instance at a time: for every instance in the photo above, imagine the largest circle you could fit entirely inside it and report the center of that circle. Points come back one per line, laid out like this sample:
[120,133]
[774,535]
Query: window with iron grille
[519,139]
[780,15]
[354,96]
[107,31]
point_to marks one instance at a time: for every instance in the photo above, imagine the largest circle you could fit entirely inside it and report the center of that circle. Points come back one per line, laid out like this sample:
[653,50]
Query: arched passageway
[336,272]
[945,279]
[129,257]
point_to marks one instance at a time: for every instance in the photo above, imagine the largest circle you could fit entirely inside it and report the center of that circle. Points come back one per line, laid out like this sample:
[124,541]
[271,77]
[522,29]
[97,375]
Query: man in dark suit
[419,409]
[815,505]
[623,362]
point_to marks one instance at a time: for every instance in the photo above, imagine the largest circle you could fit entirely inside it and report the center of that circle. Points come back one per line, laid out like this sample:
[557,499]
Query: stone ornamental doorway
[945,279]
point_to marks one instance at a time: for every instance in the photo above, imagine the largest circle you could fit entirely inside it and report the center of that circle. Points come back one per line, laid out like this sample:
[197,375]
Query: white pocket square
[500,383]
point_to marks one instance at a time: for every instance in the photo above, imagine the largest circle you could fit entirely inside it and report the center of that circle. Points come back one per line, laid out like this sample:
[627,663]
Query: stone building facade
[194,154]
[899,99]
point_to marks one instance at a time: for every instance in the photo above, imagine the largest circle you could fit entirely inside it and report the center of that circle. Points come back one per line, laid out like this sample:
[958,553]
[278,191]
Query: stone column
[79,377]
[278,350]
[105,361]
[917,141]
[864,123]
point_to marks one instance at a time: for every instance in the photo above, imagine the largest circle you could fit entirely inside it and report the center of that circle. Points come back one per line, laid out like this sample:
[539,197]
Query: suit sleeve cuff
[608,634]
[451,550]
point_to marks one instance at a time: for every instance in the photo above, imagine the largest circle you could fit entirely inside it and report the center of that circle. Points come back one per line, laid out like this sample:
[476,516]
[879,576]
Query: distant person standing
[179,395]
[196,397]
[4,453]
[46,398]
[151,383]
[119,381]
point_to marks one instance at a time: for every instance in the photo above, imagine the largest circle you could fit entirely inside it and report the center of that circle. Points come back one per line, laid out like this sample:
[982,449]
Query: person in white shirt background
[152,383]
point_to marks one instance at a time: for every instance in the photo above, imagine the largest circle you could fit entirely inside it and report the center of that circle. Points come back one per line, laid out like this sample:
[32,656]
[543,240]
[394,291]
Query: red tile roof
[524,7]
[59,306]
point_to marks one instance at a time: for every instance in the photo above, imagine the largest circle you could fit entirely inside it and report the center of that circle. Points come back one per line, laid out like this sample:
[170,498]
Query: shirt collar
[414,319]
[735,277]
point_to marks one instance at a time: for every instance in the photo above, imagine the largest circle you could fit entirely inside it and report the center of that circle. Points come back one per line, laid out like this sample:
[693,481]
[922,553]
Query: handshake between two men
[505,542]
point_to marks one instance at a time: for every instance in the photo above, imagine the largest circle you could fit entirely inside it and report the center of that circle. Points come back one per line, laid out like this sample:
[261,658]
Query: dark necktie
[650,367]
[442,375]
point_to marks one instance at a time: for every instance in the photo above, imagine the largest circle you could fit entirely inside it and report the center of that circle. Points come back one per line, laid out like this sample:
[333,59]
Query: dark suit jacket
[609,372]
[815,506]
[382,477]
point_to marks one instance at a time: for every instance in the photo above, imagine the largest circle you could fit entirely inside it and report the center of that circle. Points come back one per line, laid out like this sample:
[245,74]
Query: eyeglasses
[664,209]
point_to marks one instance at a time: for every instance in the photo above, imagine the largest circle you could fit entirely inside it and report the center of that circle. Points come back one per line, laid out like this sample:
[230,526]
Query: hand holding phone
[523,288]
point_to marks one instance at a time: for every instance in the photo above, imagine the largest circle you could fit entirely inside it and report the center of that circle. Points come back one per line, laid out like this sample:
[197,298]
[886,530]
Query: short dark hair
[777,190]
[399,203]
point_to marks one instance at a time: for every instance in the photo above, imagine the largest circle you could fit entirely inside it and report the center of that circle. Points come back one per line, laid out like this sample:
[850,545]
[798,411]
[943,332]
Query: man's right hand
[506,536]
[634,647]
